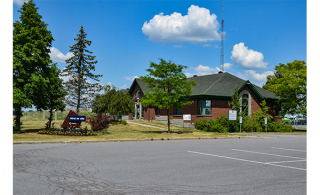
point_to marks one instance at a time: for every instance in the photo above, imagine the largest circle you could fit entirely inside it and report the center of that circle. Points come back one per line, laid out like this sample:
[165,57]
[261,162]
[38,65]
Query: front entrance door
[138,112]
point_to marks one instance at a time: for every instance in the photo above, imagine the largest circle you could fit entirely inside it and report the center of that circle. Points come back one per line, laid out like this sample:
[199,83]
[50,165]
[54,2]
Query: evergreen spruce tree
[31,60]
[78,68]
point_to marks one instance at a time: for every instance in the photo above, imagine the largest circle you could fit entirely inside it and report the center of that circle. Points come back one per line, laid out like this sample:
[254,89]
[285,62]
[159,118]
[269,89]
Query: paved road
[274,165]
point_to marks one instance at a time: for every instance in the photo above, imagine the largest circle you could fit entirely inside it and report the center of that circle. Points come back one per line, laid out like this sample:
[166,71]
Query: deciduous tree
[168,86]
[31,61]
[55,92]
[113,101]
[289,82]
[79,68]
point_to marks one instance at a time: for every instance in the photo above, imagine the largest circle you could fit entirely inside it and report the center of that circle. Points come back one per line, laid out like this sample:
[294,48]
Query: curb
[130,140]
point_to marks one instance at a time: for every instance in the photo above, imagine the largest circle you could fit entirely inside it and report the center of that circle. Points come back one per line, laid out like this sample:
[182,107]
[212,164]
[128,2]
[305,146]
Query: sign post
[186,117]
[265,122]
[232,115]
[77,119]
[240,123]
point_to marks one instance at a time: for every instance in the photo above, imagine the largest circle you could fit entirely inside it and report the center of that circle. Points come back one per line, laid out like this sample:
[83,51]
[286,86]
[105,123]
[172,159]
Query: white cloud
[130,78]
[64,78]
[247,58]
[188,74]
[57,56]
[228,66]
[201,70]
[177,46]
[195,27]
[206,45]
[124,86]
[19,2]
[257,78]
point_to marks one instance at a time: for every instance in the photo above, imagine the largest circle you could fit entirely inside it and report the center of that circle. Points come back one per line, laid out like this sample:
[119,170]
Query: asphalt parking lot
[274,164]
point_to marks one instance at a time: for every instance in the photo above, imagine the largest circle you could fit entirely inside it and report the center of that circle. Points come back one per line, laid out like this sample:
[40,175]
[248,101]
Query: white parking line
[287,161]
[266,154]
[288,149]
[246,160]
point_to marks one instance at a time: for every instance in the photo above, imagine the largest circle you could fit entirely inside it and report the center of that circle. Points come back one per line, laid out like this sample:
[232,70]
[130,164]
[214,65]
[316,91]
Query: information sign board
[240,119]
[187,117]
[77,118]
[265,120]
[232,115]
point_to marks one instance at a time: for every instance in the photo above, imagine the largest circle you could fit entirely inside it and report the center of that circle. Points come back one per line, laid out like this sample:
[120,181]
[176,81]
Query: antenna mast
[222,44]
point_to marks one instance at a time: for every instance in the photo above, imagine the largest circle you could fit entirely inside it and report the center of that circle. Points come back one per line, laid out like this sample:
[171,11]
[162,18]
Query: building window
[138,94]
[245,100]
[177,111]
[204,107]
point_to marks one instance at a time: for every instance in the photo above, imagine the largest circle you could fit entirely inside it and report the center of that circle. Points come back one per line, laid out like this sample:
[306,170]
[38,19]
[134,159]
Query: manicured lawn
[116,132]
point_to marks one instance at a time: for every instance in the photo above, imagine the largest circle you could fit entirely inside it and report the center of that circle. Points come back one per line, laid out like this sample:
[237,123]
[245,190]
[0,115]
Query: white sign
[265,120]
[240,119]
[232,115]
[187,117]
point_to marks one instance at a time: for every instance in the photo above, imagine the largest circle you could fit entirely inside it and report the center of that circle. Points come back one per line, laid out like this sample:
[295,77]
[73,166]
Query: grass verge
[114,132]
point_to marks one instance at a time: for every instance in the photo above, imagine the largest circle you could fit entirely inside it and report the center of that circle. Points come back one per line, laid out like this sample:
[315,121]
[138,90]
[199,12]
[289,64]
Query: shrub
[210,125]
[99,122]
[123,122]
[200,123]
[249,125]
[115,123]
[218,128]
[223,120]
[278,126]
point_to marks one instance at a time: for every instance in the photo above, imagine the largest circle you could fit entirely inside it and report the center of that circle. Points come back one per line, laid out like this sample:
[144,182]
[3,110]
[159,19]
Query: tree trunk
[168,121]
[18,116]
[50,117]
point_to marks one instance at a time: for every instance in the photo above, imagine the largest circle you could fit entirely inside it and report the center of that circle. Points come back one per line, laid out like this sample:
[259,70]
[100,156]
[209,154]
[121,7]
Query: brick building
[210,99]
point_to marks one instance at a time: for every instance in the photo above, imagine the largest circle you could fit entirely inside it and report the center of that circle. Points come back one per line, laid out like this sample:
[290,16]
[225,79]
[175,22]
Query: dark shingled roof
[219,85]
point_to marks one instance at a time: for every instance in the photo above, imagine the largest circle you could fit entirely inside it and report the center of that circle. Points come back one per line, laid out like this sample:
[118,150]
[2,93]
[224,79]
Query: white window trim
[249,101]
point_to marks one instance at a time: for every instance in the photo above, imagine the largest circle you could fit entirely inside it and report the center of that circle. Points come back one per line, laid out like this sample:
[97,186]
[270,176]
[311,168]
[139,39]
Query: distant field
[38,115]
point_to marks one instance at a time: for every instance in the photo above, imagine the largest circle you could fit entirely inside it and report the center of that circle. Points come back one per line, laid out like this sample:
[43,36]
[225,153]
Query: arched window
[138,94]
[245,100]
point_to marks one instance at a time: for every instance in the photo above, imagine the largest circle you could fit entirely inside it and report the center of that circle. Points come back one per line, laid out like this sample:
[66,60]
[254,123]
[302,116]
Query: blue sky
[127,35]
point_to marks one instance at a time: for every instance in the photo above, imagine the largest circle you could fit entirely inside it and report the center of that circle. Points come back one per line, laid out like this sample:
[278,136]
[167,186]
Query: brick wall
[218,108]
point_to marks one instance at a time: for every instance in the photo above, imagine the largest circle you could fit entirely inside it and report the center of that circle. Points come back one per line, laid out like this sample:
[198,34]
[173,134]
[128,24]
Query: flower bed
[68,132]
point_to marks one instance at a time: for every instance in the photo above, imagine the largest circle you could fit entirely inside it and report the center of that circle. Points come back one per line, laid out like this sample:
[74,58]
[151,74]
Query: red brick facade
[218,108]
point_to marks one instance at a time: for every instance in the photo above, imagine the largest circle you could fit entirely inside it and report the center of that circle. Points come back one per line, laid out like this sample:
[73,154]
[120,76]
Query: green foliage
[210,125]
[79,68]
[262,113]
[31,60]
[99,122]
[123,122]
[168,86]
[235,103]
[289,82]
[115,123]
[279,126]
[200,123]
[113,101]
[223,120]
[249,125]
[55,92]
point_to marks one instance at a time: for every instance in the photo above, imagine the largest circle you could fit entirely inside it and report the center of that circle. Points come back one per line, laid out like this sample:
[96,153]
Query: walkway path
[133,123]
